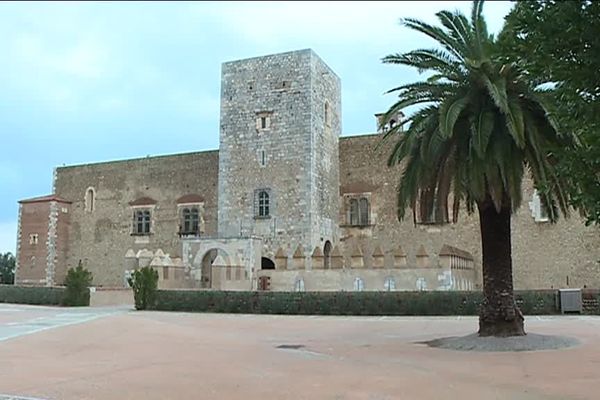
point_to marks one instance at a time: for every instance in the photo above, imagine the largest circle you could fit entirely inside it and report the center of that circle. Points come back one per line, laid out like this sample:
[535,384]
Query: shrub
[144,283]
[344,303]
[77,285]
[41,296]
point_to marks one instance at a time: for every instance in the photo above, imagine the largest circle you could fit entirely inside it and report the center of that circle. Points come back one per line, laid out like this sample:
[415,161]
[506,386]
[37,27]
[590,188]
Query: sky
[98,81]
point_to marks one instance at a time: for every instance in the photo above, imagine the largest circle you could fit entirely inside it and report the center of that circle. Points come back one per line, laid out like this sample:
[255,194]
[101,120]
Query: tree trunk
[499,314]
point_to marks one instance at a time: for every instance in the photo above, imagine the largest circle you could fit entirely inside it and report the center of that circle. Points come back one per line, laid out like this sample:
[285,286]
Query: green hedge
[51,296]
[344,303]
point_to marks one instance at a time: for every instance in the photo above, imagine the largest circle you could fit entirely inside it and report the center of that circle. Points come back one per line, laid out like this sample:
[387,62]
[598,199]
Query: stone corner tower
[278,153]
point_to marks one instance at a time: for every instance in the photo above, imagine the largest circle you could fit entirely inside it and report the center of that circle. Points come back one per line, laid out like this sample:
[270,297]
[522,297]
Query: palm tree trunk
[499,314]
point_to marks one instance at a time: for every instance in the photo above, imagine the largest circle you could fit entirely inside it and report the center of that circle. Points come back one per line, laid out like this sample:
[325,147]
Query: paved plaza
[116,353]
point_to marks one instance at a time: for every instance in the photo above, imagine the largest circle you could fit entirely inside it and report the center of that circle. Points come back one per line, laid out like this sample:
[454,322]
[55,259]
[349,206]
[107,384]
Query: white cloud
[8,236]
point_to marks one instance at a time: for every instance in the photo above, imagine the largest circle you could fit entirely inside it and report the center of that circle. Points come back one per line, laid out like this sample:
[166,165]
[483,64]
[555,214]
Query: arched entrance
[327,255]
[206,268]
[266,263]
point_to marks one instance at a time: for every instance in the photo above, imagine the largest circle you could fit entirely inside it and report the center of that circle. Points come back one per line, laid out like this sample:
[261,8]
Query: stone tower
[278,153]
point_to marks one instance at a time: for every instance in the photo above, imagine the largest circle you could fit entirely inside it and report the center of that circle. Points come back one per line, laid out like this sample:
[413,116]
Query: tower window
[262,202]
[90,199]
[263,121]
[33,238]
[327,114]
[263,158]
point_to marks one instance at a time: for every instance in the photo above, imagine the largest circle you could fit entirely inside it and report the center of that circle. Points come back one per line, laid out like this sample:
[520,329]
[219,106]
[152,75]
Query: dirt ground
[116,353]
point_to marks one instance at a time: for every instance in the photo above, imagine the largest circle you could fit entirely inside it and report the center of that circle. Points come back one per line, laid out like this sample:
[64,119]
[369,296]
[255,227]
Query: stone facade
[280,122]
[200,218]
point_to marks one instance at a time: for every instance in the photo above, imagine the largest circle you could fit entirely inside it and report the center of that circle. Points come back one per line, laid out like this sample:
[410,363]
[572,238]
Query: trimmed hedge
[344,303]
[52,296]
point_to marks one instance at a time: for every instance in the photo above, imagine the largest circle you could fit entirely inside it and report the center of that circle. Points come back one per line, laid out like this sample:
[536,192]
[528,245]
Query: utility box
[570,300]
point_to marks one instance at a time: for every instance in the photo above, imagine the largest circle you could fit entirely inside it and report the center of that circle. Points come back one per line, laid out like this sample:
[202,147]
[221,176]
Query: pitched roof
[190,198]
[43,199]
[143,201]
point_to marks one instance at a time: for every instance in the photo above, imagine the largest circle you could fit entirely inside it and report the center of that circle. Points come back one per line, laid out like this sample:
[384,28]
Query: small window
[263,203]
[33,238]
[389,284]
[263,121]
[538,210]
[327,114]
[141,222]
[359,285]
[299,285]
[190,221]
[263,158]
[90,200]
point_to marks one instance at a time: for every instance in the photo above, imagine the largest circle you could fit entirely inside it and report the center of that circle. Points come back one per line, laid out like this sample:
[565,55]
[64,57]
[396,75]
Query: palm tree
[480,128]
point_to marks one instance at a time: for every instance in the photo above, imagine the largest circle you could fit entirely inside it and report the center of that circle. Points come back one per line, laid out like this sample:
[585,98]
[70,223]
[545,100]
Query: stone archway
[206,265]
[266,263]
[327,255]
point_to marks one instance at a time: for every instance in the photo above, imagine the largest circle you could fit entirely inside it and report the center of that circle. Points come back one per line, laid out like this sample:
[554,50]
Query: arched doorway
[206,268]
[327,255]
[266,263]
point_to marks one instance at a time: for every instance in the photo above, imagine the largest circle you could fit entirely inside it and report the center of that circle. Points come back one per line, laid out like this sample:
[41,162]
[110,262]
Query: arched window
[389,284]
[327,254]
[90,199]
[141,222]
[299,285]
[263,203]
[191,218]
[359,285]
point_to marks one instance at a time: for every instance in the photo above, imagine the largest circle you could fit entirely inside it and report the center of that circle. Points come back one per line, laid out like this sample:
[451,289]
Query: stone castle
[284,204]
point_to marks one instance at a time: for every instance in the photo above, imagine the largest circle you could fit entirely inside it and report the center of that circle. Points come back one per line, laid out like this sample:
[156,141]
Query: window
[190,217]
[90,199]
[263,203]
[363,212]
[426,211]
[262,157]
[263,121]
[33,238]
[359,211]
[299,285]
[327,114]
[389,284]
[141,222]
[538,210]
[359,285]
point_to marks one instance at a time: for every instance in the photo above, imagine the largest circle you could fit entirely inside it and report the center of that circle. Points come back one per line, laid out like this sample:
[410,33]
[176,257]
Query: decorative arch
[327,255]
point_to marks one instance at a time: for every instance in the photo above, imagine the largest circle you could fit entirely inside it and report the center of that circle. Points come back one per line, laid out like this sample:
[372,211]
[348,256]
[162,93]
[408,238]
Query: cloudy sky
[87,82]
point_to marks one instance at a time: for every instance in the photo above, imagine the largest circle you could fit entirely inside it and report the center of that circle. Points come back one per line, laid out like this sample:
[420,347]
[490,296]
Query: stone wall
[277,135]
[543,253]
[101,237]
